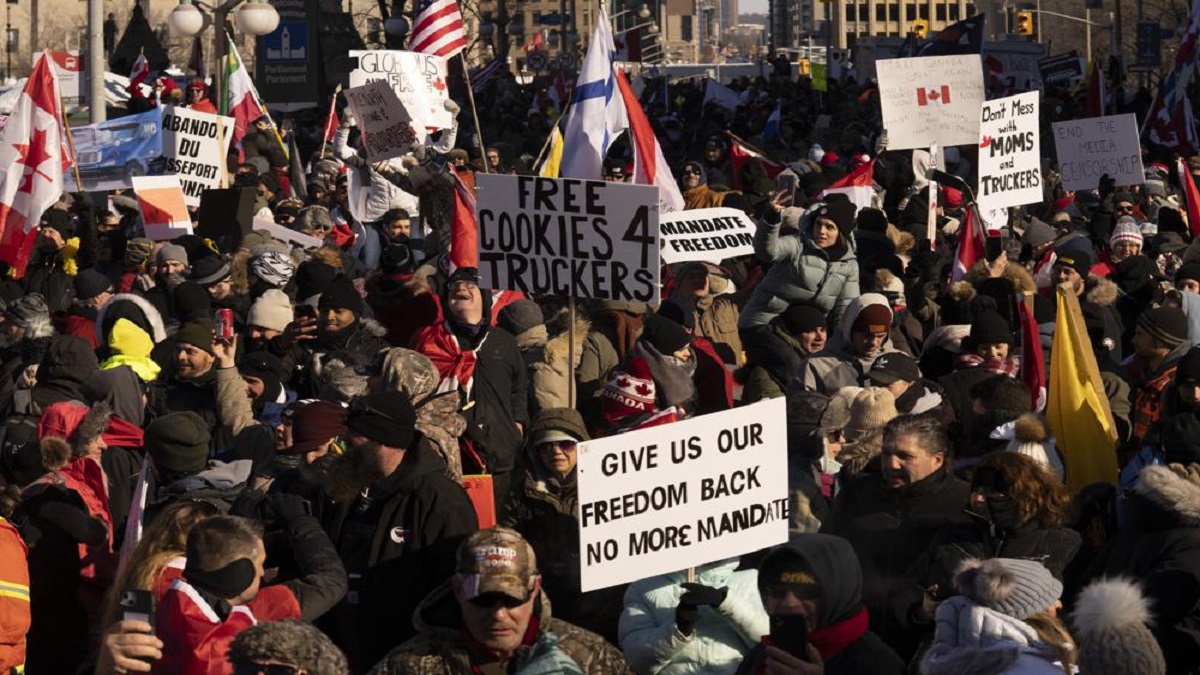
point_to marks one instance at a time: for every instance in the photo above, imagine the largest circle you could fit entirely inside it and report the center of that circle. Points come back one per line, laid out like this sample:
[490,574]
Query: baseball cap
[894,367]
[496,560]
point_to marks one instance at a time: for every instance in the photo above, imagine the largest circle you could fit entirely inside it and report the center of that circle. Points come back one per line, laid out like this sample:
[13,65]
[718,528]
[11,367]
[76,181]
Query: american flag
[438,29]
[482,77]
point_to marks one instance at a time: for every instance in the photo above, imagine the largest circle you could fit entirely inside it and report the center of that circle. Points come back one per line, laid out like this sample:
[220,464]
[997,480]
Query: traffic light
[920,29]
[805,67]
[1024,23]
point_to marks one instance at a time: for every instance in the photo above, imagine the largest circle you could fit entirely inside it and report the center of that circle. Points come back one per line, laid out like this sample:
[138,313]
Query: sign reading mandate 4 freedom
[1090,148]
[932,99]
[667,498]
[1010,159]
[568,237]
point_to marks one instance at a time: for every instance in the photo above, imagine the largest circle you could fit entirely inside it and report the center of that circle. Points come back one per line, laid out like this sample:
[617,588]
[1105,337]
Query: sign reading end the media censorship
[564,236]
[1090,148]
[710,235]
[667,498]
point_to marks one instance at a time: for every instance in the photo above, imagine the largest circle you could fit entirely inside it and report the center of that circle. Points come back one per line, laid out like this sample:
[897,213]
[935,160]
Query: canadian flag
[933,95]
[141,70]
[649,164]
[972,246]
[1191,196]
[33,162]
[464,232]
[858,185]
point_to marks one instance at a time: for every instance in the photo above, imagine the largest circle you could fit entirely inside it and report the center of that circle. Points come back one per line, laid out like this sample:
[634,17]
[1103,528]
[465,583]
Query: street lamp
[257,17]
[396,25]
[186,19]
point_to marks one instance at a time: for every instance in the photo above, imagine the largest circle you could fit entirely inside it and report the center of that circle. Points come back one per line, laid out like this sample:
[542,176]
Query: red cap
[951,197]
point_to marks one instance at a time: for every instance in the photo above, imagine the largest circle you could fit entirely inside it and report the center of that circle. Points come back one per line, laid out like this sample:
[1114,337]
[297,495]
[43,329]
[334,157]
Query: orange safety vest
[14,599]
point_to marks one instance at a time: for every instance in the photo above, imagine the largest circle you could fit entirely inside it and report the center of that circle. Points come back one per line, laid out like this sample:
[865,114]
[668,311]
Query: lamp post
[256,17]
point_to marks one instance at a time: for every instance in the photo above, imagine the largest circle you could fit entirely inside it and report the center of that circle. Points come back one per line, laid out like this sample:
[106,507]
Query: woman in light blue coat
[671,627]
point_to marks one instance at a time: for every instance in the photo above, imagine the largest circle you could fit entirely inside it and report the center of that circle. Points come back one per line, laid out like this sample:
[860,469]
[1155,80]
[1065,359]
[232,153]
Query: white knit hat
[1126,229]
[272,310]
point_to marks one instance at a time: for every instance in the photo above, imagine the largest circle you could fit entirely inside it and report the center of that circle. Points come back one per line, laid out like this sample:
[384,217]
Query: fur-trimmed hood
[973,639]
[557,347]
[1171,493]
[1101,291]
[1016,275]
[112,310]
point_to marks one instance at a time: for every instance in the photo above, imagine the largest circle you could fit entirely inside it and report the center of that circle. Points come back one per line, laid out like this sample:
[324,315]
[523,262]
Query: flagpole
[329,118]
[549,137]
[474,112]
[254,92]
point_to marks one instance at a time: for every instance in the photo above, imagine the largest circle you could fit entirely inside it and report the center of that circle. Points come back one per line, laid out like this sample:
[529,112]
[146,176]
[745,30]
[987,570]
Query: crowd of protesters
[296,482]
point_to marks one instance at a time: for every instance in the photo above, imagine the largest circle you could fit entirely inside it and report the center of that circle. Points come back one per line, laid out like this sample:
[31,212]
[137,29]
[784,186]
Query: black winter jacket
[499,392]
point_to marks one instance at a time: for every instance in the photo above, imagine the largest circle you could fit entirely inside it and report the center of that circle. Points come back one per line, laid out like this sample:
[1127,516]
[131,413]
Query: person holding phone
[811,589]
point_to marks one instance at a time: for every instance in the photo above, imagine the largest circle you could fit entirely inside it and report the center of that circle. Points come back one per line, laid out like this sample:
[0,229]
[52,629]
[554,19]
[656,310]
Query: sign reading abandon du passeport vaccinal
[666,498]
[565,236]
[195,145]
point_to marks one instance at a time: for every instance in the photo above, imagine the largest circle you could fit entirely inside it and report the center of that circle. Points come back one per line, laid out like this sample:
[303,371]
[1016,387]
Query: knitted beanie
[137,251]
[1188,271]
[1018,588]
[1168,325]
[272,310]
[990,328]
[179,442]
[1111,623]
[172,252]
[629,391]
[1126,229]
[870,411]
[341,294]
[89,283]
[520,316]
[210,270]
[198,333]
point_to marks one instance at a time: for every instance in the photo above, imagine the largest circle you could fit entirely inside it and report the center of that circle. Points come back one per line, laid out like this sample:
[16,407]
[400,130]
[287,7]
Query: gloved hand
[451,106]
[881,143]
[1108,185]
[288,507]
[687,613]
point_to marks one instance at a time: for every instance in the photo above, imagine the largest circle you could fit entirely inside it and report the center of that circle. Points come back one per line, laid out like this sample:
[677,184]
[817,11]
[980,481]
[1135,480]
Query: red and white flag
[331,120]
[464,233]
[1191,196]
[933,95]
[438,29]
[649,163]
[858,185]
[242,101]
[972,247]
[740,152]
[34,159]
[141,70]
[1033,360]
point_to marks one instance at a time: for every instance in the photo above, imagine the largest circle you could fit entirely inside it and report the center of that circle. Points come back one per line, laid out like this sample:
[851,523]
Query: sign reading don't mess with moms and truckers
[568,237]
[669,497]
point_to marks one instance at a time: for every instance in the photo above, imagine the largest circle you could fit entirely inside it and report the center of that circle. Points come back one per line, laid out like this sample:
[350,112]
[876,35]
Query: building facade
[853,19]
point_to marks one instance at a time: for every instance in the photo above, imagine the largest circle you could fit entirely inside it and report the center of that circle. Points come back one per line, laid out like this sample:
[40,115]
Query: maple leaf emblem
[439,84]
[642,389]
[32,155]
[987,141]
[934,95]
[623,383]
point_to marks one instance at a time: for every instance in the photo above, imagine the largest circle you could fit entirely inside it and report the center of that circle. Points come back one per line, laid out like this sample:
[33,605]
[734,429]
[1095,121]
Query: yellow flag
[1077,409]
[550,166]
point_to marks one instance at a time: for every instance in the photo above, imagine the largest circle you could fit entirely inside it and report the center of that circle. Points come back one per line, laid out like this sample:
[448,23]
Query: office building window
[923,11]
[894,12]
[685,28]
[851,12]
[881,12]
[939,13]
[910,11]
[954,12]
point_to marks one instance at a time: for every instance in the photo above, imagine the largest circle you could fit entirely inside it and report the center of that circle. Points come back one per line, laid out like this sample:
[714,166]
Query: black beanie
[989,328]
[872,220]
[803,319]
[179,442]
[675,312]
[1169,220]
[1188,371]
[666,336]
[90,283]
[1002,393]
[1188,271]
[341,294]
[192,302]
[57,219]
[313,278]
[1168,325]
[198,333]
[388,418]
[396,259]
[841,213]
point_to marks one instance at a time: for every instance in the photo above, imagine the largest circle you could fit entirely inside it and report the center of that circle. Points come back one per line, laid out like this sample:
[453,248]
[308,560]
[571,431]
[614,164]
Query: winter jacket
[197,394]
[398,542]
[800,273]
[14,598]
[441,648]
[551,378]
[716,318]
[973,639]
[1055,548]
[758,382]
[1150,391]
[403,306]
[653,643]
[836,365]
[1159,546]
[889,529]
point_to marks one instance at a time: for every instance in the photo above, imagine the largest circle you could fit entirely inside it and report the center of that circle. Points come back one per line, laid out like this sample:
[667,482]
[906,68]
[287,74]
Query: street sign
[1149,44]
[537,60]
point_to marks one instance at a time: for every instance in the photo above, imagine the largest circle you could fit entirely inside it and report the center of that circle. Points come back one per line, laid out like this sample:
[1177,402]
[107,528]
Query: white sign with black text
[1010,158]
[1092,147]
[568,237]
[667,498]
[196,145]
[420,80]
[932,99]
[709,235]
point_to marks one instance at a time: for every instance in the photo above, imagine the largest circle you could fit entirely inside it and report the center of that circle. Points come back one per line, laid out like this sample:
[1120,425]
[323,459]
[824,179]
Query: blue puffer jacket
[800,273]
[654,646]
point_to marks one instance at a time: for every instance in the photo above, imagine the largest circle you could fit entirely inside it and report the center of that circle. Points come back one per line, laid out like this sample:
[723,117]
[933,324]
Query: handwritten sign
[387,129]
[195,145]
[1010,164]
[932,99]
[1090,148]
[419,80]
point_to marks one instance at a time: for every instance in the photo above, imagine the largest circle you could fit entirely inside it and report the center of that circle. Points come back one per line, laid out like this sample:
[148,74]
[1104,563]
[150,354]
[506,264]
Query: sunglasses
[691,172]
[491,600]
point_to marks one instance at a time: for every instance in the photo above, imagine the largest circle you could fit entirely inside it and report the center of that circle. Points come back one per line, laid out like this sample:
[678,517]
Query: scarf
[451,361]
[832,639]
[673,381]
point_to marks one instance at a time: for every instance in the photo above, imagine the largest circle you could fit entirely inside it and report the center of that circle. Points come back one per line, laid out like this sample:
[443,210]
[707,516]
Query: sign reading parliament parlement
[568,237]
[681,495]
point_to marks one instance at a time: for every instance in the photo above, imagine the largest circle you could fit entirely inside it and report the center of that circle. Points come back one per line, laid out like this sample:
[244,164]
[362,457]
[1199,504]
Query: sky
[752,6]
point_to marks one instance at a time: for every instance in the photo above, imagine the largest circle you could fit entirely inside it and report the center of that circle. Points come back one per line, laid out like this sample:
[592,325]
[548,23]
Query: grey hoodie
[837,366]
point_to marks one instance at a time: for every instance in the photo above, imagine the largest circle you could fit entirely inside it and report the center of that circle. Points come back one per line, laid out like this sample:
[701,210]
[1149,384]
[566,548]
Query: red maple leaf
[934,95]
[987,140]
[439,84]
[31,155]
[622,383]
[642,389]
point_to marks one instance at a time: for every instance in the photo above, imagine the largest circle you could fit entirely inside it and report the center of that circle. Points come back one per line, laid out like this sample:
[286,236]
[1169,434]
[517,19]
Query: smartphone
[788,182]
[994,246]
[137,605]
[789,632]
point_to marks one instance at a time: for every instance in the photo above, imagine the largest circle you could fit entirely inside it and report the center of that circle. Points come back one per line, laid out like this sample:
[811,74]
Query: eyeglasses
[489,601]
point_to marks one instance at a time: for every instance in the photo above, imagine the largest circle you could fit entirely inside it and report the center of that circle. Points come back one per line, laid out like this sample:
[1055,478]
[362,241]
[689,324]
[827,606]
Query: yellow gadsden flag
[554,159]
[1078,412]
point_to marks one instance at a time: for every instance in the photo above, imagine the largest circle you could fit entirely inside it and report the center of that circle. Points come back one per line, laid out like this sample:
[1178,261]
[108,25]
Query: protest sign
[1090,148]
[1010,159]
[109,154]
[932,99]
[1060,69]
[419,80]
[568,237]
[196,145]
[387,129]
[164,214]
[669,497]
[287,234]
[705,234]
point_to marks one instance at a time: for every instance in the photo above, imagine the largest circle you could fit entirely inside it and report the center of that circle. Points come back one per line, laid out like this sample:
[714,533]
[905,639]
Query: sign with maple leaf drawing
[930,99]
[419,81]
[1010,165]
[664,498]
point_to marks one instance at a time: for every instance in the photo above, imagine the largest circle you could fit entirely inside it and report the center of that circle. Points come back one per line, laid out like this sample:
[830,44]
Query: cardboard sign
[109,154]
[287,234]
[932,99]
[710,235]
[565,236]
[419,80]
[1010,164]
[1090,148]
[387,129]
[667,498]
[164,213]
[196,145]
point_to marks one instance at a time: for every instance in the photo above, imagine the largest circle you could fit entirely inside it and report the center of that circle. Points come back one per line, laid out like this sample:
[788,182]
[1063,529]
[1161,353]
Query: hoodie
[837,365]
